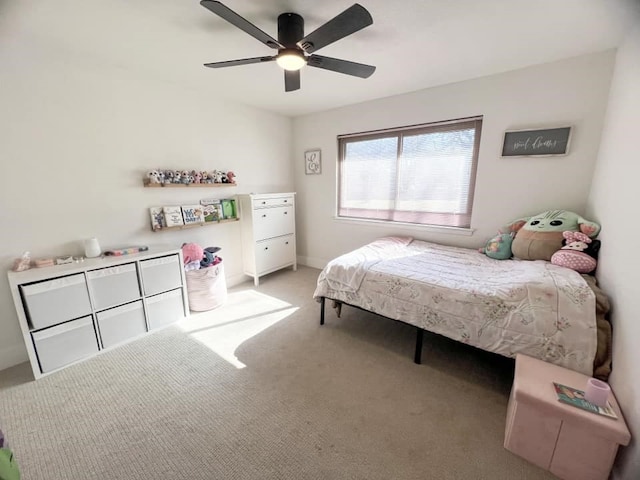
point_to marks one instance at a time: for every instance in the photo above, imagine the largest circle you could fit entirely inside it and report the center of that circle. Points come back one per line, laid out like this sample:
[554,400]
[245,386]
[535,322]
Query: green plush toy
[499,247]
[8,466]
[540,236]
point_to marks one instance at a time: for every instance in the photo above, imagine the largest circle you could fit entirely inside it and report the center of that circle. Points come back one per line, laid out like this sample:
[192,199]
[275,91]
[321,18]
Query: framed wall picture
[312,162]
[536,143]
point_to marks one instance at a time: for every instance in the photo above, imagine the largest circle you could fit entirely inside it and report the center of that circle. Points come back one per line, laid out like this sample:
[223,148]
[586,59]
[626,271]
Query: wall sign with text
[527,143]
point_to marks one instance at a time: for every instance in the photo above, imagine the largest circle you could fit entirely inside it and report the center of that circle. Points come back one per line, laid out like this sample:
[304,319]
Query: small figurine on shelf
[217,176]
[22,263]
[206,178]
[153,176]
[176,176]
[184,177]
[161,176]
[197,176]
[168,176]
[231,177]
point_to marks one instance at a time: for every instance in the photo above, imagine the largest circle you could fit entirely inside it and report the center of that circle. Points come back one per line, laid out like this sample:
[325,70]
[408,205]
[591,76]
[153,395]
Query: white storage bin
[164,309]
[121,323]
[113,286]
[206,288]
[66,343]
[56,301]
[161,274]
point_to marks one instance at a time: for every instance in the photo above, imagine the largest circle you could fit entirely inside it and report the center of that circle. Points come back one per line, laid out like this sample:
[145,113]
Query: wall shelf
[189,185]
[194,225]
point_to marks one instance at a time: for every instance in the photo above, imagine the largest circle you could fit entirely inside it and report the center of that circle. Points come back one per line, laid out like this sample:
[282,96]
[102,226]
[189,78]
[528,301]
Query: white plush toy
[153,176]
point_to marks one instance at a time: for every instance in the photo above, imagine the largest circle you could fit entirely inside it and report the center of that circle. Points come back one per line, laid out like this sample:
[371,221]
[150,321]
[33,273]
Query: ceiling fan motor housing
[290,29]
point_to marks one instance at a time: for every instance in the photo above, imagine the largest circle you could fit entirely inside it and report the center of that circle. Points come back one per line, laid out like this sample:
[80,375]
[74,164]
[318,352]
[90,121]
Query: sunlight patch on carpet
[245,314]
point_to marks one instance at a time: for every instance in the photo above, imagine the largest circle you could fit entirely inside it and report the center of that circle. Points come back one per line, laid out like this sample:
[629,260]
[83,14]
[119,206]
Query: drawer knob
[264,203]
[286,243]
[266,248]
[286,213]
[264,215]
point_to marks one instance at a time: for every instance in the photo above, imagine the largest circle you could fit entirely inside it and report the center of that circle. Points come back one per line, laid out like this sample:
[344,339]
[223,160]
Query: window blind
[423,174]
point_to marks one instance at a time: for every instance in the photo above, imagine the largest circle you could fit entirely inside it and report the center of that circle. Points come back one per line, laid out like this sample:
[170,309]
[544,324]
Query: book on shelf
[173,216]
[157,218]
[192,214]
[212,210]
[228,208]
[575,397]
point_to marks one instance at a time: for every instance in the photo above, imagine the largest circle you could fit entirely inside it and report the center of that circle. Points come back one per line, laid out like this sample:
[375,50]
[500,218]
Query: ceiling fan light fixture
[291,59]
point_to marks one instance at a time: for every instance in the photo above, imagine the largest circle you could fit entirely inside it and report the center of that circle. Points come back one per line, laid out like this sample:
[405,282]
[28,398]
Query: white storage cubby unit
[70,312]
[268,233]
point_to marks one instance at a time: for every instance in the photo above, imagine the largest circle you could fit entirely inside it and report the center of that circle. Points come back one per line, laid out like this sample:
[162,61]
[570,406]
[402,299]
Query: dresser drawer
[113,286]
[275,253]
[55,301]
[273,222]
[272,202]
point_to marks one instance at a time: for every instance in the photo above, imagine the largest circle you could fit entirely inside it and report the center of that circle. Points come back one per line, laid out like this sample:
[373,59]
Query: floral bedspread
[503,306]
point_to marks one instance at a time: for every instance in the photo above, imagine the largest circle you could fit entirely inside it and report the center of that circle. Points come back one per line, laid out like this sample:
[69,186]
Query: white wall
[570,92]
[76,138]
[613,202]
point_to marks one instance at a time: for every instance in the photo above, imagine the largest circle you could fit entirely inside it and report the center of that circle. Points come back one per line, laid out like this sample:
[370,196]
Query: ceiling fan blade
[341,66]
[242,61]
[234,19]
[291,80]
[350,21]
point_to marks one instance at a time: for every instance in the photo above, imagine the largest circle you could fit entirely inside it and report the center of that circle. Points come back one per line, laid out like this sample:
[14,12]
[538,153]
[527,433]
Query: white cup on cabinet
[91,248]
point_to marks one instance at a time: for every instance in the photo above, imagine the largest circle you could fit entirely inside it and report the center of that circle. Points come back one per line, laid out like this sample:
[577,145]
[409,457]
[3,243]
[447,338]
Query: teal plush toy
[499,247]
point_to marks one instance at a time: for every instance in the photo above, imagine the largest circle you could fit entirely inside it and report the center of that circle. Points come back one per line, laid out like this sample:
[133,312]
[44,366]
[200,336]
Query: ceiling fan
[295,49]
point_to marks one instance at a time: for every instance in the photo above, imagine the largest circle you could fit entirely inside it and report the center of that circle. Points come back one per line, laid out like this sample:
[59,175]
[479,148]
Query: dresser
[268,233]
[71,312]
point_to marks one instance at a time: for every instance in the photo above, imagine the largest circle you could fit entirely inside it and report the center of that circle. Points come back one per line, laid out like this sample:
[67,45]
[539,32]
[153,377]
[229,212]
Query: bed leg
[322,299]
[418,356]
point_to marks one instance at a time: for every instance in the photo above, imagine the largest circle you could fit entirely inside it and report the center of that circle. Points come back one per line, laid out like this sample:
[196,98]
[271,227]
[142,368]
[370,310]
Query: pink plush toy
[231,177]
[192,252]
[579,252]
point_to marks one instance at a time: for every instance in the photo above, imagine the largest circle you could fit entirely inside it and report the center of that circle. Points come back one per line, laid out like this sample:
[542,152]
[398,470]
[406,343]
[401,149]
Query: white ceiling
[414,44]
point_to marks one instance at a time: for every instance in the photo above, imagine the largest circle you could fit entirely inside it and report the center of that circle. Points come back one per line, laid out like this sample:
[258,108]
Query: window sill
[408,226]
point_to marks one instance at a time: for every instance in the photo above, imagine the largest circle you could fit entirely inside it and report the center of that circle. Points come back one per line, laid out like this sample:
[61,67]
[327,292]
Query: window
[422,174]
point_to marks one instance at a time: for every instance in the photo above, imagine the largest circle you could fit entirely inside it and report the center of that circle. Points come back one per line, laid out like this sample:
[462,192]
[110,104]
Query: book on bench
[575,397]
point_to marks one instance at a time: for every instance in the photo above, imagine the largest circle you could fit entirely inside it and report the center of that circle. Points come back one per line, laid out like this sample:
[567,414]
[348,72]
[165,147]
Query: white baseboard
[234,280]
[313,262]
[13,355]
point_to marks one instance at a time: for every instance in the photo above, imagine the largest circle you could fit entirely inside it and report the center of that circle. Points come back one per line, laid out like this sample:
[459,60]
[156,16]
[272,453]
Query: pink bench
[568,441]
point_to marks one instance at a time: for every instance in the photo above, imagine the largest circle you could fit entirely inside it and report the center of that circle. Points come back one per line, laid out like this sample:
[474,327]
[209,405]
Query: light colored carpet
[256,389]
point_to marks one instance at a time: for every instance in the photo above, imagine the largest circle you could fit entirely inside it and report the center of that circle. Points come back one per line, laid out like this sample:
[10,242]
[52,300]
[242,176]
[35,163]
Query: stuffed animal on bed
[499,247]
[540,236]
[579,253]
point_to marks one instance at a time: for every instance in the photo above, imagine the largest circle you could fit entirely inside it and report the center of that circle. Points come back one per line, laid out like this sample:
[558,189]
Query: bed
[502,306]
